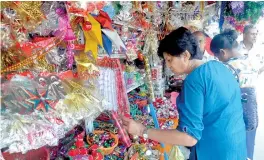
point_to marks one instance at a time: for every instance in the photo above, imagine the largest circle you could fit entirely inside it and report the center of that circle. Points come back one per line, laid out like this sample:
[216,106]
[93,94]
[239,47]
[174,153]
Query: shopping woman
[225,47]
[210,109]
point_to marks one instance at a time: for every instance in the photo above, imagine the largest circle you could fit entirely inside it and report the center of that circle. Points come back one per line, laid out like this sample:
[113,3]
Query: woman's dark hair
[179,41]
[225,40]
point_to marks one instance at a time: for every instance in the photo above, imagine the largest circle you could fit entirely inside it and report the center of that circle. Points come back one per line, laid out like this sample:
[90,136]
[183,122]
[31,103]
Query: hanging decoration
[114,37]
[86,66]
[237,7]
[107,44]
[104,20]
[244,11]
[93,37]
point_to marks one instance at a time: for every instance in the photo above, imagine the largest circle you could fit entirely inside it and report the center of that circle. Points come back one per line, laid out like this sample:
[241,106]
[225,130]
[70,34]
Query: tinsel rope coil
[43,64]
[30,10]
[31,59]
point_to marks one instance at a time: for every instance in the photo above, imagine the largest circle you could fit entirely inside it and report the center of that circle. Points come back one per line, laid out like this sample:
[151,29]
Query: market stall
[71,70]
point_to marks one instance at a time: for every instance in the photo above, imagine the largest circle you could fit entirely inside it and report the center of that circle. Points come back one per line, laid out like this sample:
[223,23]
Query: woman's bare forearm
[173,137]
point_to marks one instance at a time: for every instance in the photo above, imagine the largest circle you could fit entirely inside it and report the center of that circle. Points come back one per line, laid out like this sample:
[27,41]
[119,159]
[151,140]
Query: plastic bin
[106,151]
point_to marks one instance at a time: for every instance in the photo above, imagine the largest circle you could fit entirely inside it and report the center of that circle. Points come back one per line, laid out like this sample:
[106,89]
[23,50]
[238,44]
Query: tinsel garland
[251,10]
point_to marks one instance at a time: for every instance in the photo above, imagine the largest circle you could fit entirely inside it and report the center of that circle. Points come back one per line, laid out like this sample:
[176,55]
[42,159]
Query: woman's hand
[172,136]
[134,128]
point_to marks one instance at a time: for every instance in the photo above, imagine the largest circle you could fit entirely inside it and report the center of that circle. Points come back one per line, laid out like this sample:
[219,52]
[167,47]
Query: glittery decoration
[124,15]
[86,66]
[244,11]
[31,59]
[51,6]
[57,57]
[53,85]
[148,77]
[10,57]
[70,54]
[6,41]
[32,9]
[14,94]
[29,12]
[49,25]
[80,102]
[9,13]
[237,7]
[28,132]
[43,65]
[231,20]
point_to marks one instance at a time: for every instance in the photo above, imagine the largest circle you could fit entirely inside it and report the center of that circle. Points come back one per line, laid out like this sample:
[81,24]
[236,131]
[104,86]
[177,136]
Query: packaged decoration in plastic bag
[176,154]
[6,41]
[17,95]
[21,134]
[86,67]
[49,25]
[57,57]
[24,95]
[66,103]
[80,102]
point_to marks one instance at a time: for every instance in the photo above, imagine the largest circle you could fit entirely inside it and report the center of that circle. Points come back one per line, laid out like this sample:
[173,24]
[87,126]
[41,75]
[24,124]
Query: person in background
[249,48]
[203,40]
[209,105]
[249,39]
[226,48]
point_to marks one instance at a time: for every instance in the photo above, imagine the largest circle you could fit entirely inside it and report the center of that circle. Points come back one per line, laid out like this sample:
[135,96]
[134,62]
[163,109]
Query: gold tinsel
[10,57]
[71,86]
[42,64]
[75,26]
[30,60]
[79,99]
[86,67]
[28,12]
